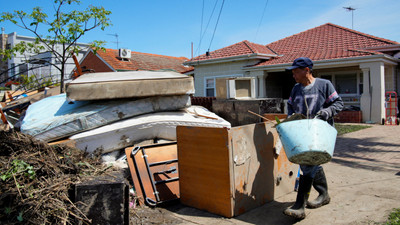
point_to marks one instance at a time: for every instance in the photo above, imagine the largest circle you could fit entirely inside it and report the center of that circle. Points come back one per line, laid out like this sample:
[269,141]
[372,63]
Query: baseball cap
[301,62]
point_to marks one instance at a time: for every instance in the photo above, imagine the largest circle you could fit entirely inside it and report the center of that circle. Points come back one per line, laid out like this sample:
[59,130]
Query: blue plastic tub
[307,141]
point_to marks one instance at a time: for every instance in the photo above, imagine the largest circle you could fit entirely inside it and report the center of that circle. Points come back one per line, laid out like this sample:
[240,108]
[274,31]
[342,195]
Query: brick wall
[349,117]
[92,62]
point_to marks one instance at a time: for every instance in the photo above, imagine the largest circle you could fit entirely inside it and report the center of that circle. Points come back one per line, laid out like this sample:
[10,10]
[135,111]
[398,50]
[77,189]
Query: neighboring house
[362,67]
[38,64]
[113,60]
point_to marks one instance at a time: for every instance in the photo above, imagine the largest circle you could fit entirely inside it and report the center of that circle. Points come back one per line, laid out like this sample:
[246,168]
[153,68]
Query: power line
[222,6]
[259,24]
[201,27]
[205,30]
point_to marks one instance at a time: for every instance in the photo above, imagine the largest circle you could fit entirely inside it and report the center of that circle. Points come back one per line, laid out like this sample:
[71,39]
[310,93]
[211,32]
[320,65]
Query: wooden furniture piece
[231,171]
[154,170]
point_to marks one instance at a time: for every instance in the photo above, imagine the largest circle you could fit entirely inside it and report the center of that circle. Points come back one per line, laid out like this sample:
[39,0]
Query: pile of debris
[36,179]
[110,111]
[99,113]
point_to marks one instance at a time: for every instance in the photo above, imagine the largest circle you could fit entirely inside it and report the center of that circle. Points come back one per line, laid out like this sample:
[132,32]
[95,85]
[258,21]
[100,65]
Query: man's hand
[323,115]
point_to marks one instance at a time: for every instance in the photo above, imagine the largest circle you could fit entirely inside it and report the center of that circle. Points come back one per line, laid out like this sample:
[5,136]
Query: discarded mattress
[161,125]
[54,118]
[111,85]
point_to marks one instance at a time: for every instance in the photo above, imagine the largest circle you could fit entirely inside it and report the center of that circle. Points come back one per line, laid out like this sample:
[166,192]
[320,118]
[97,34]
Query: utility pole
[116,36]
[352,15]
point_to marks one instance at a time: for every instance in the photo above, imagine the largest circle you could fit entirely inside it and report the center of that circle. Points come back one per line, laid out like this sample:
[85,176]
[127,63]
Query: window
[23,69]
[360,85]
[12,70]
[346,83]
[210,87]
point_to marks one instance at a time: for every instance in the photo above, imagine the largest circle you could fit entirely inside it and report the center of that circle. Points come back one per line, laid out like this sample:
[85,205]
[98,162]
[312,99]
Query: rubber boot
[297,210]
[321,186]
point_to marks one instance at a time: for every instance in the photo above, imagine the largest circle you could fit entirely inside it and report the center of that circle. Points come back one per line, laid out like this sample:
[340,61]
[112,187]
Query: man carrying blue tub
[312,97]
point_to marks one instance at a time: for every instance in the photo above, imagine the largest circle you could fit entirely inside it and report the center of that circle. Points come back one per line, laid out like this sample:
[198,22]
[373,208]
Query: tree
[64,30]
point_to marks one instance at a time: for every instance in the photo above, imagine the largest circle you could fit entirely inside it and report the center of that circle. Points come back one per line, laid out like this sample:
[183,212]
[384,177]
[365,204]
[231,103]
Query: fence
[203,101]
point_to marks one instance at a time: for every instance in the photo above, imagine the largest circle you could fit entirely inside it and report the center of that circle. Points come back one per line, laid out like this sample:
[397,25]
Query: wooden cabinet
[228,171]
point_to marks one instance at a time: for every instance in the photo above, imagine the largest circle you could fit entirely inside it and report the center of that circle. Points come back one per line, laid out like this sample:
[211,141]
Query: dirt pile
[36,178]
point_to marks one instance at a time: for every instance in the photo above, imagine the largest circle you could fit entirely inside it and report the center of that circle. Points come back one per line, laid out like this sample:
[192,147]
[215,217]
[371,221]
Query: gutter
[329,63]
[385,48]
[229,59]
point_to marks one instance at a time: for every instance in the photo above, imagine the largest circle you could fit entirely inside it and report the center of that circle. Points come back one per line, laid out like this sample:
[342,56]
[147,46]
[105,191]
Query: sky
[170,27]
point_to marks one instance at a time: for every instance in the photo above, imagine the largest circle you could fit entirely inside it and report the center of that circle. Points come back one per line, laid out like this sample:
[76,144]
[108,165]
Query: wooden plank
[204,169]
[220,88]
[67,142]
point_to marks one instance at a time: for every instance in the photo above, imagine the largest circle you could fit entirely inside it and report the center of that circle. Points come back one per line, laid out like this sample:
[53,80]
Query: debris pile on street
[36,178]
[100,113]
[106,112]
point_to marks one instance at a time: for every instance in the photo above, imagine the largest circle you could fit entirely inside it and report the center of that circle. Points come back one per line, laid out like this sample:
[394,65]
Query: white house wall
[214,71]
[260,76]
[18,59]
[373,97]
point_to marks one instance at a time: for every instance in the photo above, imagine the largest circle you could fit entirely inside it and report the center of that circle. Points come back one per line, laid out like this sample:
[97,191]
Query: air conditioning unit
[125,53]
[235,88]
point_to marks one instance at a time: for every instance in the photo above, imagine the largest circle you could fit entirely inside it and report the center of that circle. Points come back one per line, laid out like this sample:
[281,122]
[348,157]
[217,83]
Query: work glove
[323,114]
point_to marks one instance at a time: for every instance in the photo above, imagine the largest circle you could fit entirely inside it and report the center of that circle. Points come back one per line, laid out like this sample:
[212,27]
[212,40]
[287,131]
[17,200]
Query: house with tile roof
[112,60]
[362,67]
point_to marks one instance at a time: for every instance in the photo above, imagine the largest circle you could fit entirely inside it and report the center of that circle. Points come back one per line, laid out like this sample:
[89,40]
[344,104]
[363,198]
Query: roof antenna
[116,36]
[352,15]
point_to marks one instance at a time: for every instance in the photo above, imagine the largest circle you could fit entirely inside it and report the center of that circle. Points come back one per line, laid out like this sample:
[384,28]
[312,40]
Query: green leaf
[19,217]
[7,210]
[4,177]
[277,120]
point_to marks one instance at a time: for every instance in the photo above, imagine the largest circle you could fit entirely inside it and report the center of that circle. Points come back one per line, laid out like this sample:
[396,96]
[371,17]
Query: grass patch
[344,129]
[394,217]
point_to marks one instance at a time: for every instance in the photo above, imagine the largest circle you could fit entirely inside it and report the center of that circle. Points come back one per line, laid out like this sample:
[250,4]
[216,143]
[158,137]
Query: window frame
[349,95]
[214,77]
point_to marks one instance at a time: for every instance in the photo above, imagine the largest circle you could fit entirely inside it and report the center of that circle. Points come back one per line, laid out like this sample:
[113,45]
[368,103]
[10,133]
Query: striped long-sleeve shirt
[319,95]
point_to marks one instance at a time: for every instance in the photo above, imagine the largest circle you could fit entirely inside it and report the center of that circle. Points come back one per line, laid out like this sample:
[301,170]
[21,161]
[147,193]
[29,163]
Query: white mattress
[53,118]
[161,125]
[112,85]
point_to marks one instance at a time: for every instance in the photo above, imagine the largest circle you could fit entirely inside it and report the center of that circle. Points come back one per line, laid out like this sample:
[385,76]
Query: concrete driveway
[363,178]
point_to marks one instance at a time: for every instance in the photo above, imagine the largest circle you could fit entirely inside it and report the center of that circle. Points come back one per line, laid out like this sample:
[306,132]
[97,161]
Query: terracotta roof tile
[241,48]
[144,61]
[328,41]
